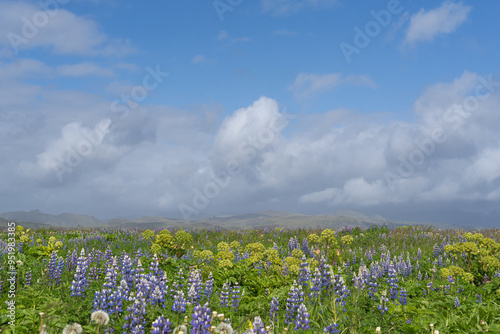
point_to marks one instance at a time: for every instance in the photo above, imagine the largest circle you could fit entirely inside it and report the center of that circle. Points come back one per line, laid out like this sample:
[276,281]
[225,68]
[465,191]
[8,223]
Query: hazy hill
[62,220]
[151,223]
[265,219]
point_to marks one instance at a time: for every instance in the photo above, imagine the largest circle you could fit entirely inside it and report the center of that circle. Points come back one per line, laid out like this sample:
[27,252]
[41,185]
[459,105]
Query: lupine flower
[201,320]
[332,328]
[235,296]
[302,320]
[292,302]
[161,326]
[80,283]
[479,299]
[27,280]
[402,296]
[273,312]
[224,297]
[179,302]
[304,273]
[383,300]
[456,302]
[72,329]
[51,269]
[316,281]
[194,285]
[258,326]
[209,287]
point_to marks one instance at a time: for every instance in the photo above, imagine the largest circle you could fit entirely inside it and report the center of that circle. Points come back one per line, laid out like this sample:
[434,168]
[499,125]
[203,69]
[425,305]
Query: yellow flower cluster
[347,240]
[456,272]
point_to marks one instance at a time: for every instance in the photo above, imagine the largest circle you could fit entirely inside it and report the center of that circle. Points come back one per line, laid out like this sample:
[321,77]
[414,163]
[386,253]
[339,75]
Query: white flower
[72,329]
[378,330]
[180,330]
[224,328]
[100,317]
[44,330]
[19,262]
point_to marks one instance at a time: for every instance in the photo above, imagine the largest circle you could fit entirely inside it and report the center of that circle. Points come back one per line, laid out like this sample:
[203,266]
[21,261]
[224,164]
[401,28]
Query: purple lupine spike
[273,312]
[79,284]
[235,296]
[224,298]
[302,319]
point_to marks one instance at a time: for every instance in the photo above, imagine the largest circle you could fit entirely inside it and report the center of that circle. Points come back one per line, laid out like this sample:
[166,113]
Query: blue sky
[347,123]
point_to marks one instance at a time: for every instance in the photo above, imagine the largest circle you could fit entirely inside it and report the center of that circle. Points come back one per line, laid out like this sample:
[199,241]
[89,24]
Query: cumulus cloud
[310,84]
[247,133]
[24,26]
[83,69]
[425,25]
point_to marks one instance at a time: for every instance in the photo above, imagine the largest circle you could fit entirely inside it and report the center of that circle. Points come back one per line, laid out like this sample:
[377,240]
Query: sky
[201,108]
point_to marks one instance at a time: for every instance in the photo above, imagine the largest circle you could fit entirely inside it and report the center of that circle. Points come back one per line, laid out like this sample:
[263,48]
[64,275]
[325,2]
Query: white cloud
[248,132]
[425,25]
[283,7]
[57,29]
[309,84]
[83,69]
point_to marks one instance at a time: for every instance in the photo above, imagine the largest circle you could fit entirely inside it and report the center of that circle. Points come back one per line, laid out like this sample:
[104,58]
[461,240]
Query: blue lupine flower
[479,299]
[456,302]
[194,292]
[273,312]
[383,302]
[316,287]
[332,328]
[161,326]
[258,326]
[302,319]
[27,280]
[292,302]
[235,296]
[51,272]
[224,296]
[179,302]
[201,320]
[80,283]
[304,273]
[209,287]
[402,296]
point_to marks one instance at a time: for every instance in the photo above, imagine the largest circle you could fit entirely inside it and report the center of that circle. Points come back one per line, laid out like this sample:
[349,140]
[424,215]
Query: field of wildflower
[376,280]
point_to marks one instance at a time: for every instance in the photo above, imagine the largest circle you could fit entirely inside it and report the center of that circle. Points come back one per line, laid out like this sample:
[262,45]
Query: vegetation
[374,280]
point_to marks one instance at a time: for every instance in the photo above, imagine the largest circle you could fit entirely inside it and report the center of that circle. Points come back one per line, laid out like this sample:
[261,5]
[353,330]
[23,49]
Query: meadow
[352,280]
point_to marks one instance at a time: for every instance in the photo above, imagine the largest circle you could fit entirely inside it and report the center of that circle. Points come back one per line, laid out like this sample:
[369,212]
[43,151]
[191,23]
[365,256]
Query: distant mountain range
[266,219]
